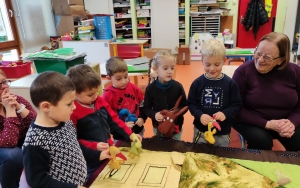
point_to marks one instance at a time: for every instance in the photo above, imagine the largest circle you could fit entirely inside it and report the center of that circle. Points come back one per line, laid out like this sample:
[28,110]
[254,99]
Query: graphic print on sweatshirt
[212,97]
[128,101]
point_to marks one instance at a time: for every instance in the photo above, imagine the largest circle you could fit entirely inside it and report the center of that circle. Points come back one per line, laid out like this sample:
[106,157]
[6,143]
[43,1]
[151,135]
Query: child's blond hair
[156,60]
[213,47]
[115,65]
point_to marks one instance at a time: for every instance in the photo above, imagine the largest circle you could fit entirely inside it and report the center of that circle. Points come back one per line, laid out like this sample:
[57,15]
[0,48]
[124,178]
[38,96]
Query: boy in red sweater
[93,117]
[124,95]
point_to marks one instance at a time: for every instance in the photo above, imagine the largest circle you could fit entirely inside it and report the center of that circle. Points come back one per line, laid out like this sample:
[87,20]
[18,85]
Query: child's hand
[101,146]
[130,124]
[105,155]
[133,137]
[81,187]
[204,119]
[159,117]
[140,122]
[220,116]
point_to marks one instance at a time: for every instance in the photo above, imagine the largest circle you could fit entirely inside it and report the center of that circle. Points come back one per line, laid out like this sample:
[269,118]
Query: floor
[186,74]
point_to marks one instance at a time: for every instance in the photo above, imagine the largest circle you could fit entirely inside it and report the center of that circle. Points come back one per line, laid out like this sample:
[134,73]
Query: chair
[235,60]
[243,141]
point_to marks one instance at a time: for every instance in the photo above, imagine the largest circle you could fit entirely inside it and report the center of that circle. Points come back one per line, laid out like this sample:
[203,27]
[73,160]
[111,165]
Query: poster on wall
[195,46]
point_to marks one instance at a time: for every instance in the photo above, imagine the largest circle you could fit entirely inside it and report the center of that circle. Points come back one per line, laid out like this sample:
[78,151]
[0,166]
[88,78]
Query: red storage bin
[129,51]
[21,69]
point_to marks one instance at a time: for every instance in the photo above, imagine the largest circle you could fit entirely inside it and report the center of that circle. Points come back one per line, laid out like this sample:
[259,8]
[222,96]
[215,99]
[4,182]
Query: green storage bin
[56,65]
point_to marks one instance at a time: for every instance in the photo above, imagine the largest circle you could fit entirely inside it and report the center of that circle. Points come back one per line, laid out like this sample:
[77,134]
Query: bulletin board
[195,45]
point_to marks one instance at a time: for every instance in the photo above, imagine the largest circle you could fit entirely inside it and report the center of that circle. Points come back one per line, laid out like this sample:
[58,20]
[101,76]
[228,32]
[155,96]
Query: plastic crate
[103,28]
[56,65]
[21,69]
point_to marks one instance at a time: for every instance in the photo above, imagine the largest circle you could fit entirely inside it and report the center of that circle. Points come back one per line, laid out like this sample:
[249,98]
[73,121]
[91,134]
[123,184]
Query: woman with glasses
[16,115]
[270,92]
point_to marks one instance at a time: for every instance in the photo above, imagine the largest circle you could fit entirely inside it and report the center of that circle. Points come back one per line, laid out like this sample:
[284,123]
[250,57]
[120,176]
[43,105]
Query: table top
[240,52]
[229,69]
[131,42]
[24,82]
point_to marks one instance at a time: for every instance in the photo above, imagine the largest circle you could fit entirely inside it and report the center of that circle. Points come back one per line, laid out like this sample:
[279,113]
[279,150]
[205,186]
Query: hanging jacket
[255,16]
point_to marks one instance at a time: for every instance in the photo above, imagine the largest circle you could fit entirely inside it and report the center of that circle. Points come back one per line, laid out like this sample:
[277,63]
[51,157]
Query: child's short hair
[156,59]
[213,47]
[114,65]
[51,87]
[84,77]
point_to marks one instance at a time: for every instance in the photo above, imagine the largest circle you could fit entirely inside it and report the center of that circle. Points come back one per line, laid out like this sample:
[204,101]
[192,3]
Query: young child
[124,95]
[213,93]
[93,117]
[163,93]
[52,155]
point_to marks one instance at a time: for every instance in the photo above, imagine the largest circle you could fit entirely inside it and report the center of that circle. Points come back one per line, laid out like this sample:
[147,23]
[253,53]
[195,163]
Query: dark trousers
[11,167]
[261,138]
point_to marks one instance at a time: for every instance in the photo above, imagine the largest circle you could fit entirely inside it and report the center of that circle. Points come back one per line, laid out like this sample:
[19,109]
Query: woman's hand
[287,128]
[284,127]
[140,122]
[220,116]
[204,119]
[130,124]
[8,101]
[159,117]
[101,146]
[274,125]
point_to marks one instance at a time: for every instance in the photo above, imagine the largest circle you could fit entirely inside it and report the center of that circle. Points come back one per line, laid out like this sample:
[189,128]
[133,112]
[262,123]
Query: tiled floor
[186,74]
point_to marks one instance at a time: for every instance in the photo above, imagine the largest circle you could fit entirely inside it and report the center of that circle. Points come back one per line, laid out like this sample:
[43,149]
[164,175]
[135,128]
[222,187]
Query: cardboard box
[184,55]
[77,9]
[76,2]
[64,24]
[60,7]
[152,51]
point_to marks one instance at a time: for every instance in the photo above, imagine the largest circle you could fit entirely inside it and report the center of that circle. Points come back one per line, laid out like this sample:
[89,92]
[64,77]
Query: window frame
[13,44]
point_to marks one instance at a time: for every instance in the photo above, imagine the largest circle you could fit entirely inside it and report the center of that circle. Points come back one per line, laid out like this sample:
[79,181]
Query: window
[9,43]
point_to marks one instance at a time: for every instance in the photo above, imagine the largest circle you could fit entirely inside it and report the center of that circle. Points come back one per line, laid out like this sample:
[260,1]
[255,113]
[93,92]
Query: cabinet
[205,24]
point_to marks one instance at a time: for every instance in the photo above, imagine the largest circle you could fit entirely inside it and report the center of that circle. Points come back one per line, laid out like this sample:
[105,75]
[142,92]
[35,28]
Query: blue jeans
[11,167]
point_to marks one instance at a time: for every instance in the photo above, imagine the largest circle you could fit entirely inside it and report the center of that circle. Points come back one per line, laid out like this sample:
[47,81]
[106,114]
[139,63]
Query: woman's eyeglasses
[5,82]
[266,58]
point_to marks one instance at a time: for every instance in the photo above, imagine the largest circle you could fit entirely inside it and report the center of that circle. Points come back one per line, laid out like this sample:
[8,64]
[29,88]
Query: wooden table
[229,69]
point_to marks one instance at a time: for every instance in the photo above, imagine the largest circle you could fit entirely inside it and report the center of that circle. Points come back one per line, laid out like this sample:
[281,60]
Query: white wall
[101,7]
[164,24]
[290,19]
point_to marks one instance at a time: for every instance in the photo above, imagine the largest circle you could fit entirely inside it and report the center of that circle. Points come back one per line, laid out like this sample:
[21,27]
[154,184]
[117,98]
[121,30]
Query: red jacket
[96,125]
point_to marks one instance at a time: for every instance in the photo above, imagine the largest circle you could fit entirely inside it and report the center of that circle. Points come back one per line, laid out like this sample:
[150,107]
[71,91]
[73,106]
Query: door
[245,39]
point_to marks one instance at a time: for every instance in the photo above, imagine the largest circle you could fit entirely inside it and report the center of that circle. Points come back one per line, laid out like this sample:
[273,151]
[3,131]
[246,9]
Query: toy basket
[56,65]
[102,27]
[16,69]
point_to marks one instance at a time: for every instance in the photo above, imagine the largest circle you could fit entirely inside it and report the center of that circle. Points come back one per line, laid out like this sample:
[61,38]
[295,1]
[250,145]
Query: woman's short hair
[213,47]
[283,43]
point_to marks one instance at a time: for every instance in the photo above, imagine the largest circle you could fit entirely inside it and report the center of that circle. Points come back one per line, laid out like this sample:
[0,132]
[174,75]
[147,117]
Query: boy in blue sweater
[213,94]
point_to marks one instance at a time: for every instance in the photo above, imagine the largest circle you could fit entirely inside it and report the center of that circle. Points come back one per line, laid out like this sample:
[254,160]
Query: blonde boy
[213,94]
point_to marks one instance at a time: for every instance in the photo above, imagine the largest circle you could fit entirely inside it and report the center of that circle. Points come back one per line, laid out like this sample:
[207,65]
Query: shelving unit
[123,22]
[181,21]
[131,24]
[143,14]
[205,24]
